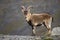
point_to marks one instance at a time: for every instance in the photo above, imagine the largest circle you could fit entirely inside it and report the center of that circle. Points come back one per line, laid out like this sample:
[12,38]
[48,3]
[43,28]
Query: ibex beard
[35,20]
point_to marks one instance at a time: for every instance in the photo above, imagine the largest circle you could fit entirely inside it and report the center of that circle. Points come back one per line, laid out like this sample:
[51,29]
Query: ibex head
[26,10]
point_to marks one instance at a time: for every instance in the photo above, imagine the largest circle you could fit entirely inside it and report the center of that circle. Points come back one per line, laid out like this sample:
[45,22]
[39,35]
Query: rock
[56,31]
[16,37]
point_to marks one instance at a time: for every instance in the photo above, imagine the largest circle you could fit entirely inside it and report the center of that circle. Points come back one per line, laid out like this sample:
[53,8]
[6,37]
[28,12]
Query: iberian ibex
[35,20]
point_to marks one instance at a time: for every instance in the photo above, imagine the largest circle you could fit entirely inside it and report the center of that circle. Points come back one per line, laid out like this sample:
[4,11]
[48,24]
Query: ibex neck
[28,16]
[29,13]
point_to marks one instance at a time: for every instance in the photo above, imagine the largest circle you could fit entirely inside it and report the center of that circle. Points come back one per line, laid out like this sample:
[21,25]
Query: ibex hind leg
[48,26]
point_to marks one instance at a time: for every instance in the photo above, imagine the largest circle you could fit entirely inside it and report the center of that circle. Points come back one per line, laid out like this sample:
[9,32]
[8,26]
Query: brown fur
[39,18]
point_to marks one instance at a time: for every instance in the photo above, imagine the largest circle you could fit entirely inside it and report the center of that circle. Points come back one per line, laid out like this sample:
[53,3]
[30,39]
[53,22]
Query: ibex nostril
[25,11]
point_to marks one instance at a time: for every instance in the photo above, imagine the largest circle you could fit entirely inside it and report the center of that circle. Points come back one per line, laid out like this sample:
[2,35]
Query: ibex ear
[23,8]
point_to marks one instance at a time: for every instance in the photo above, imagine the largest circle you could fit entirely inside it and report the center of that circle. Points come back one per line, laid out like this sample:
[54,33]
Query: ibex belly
[37,22]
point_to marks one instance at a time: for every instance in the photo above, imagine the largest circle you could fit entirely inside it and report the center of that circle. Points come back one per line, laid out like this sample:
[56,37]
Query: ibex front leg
[34,30]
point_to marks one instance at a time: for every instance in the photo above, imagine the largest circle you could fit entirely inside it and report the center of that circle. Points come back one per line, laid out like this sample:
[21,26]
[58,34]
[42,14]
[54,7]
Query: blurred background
[12,21]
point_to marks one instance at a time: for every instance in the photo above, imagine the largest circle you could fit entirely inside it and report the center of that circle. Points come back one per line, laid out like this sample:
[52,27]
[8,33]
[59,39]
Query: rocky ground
[54,36]
[16,37]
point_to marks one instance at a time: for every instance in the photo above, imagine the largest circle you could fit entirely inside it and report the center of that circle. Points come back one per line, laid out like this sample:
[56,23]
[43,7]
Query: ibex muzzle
[37,19]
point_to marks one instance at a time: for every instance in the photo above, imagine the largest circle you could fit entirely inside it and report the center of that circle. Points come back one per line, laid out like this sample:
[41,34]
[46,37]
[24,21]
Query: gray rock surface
[15,37]
[56,31]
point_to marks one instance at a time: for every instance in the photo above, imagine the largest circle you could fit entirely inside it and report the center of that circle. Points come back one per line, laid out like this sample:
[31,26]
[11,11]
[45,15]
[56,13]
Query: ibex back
[35,20]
